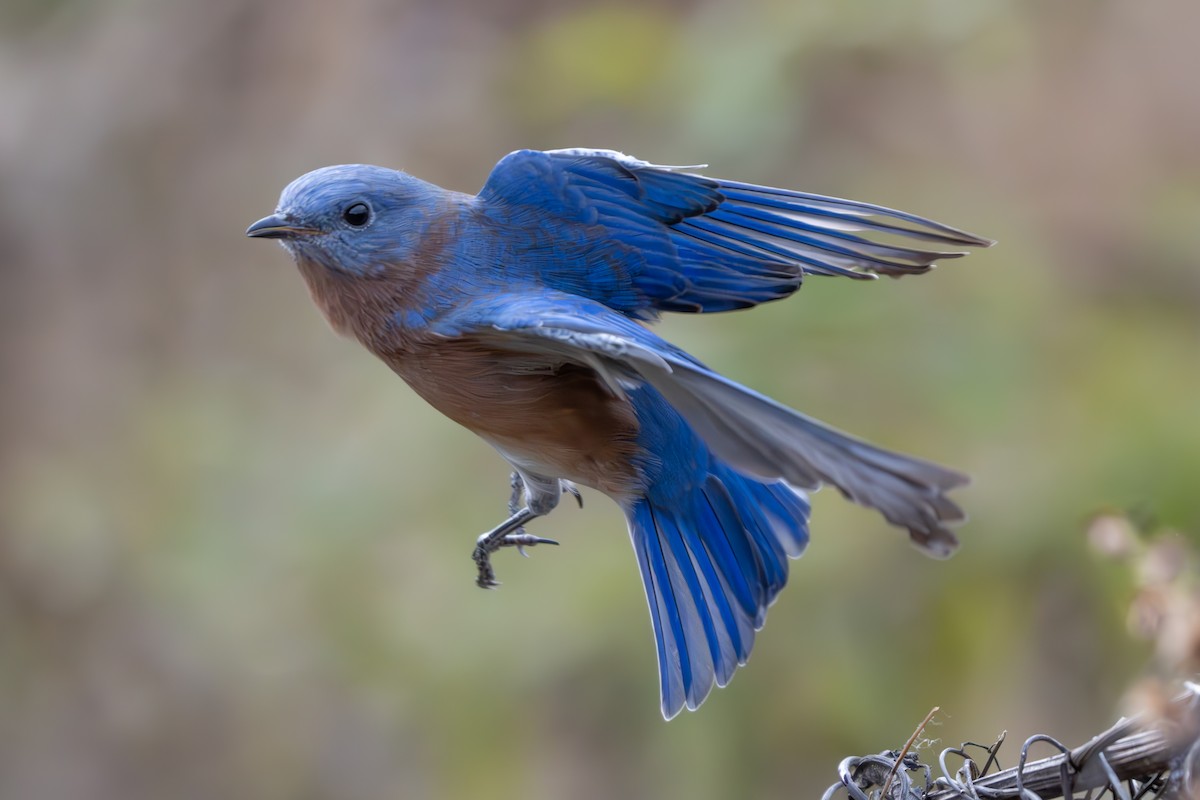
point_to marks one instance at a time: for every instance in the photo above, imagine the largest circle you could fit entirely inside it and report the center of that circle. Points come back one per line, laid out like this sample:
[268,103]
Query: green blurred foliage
[234,553]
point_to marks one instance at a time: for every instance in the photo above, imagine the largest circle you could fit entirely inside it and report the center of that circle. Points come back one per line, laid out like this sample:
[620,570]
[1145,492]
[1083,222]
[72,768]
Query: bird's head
[355,218]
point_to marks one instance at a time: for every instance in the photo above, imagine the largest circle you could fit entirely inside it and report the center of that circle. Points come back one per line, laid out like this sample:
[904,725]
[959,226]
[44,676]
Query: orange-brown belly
[554,419]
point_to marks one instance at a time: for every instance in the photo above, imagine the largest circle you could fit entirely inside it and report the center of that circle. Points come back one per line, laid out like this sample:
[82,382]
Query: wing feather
[648,238]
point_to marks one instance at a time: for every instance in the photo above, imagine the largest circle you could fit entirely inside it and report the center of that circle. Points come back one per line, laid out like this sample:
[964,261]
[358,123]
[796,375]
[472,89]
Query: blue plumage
[713,547]
[686,243]
[518,313]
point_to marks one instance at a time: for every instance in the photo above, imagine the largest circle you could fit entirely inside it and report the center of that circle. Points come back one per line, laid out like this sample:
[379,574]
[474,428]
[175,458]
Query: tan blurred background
[235,551]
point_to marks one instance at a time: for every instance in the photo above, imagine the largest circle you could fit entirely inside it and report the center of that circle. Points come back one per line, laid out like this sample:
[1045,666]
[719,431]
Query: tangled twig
[1139,758]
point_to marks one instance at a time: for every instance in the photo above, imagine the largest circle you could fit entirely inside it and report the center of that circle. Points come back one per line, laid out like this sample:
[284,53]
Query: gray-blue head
[354,218]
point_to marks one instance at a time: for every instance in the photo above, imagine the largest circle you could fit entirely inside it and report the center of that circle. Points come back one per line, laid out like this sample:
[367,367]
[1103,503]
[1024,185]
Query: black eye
[357,215]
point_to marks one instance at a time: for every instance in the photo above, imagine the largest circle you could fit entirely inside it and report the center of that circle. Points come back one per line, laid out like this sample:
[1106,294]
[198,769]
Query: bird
[523,313]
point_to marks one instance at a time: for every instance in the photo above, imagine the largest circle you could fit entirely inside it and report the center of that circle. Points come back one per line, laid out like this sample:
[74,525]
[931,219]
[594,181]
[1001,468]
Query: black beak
[276,226]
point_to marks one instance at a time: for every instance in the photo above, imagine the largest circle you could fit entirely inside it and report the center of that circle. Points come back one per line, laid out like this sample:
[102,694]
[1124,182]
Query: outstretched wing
[643,238]
[749,431]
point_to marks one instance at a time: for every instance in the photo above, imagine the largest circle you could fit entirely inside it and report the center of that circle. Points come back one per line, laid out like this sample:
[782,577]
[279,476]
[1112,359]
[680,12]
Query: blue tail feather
[700,644]
[735,556]
[657,588]
[787,513]
[767,548]
[712,560]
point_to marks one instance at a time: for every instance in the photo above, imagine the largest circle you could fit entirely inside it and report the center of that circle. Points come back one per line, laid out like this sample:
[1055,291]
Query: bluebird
[522,314]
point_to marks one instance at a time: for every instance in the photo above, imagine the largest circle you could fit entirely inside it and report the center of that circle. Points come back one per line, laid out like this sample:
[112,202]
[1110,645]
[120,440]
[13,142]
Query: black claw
[521,540]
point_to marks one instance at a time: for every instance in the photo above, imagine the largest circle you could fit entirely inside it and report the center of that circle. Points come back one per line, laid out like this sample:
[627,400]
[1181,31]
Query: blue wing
[642,238]
[751,432]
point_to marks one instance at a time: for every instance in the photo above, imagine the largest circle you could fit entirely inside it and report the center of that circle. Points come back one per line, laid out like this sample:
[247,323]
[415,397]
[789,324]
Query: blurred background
[234,558]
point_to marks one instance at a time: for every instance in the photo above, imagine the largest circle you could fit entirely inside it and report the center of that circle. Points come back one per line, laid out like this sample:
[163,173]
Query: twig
[904,751]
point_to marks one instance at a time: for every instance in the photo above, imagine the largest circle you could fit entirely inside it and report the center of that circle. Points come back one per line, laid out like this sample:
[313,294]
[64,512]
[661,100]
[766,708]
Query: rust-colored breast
[552,418]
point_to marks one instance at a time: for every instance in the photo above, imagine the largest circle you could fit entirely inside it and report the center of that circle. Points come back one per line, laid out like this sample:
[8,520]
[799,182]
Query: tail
[712,560]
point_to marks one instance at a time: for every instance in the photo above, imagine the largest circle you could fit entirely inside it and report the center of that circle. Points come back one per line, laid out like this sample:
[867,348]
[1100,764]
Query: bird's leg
[540,496]
[514,505]
[518,490]
[514,500]
[509,533]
